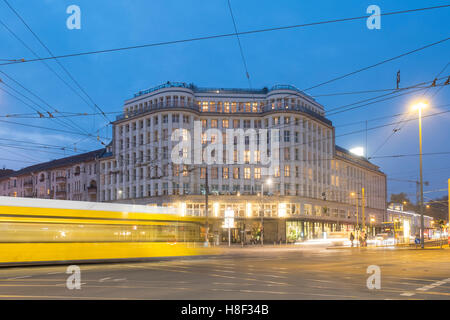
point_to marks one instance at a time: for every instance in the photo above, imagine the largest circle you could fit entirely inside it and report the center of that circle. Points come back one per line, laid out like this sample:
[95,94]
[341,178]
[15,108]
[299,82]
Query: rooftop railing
[197,108]
[194,88]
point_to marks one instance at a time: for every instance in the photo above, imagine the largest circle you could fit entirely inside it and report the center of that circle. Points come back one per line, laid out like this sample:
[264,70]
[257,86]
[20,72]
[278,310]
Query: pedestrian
[365,239]
[352,238]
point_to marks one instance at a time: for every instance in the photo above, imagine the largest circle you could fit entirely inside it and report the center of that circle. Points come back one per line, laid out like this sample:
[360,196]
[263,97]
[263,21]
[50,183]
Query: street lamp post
[419,107]
[357,214]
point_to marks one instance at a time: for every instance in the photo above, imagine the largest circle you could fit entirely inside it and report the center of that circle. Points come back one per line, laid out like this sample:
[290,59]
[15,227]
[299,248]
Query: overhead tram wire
[229,34]
[16,160]
[411,155]
[21,155]
[43,62]
[47,128]
[437,91]
[77,128]
[377,101]
[59,63]
[247,74]
[395,130]
[377,64]
[418,86]
[367,68]
[40,144]
[71,126]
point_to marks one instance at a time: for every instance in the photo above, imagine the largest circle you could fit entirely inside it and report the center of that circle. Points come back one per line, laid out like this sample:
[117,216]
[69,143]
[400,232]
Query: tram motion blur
[38,231]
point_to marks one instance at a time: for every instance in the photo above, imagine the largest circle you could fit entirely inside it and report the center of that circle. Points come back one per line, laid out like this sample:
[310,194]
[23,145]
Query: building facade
[315,187]
[70,178]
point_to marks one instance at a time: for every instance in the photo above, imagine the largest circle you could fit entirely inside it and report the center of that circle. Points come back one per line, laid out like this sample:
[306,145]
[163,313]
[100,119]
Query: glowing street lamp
[419,106]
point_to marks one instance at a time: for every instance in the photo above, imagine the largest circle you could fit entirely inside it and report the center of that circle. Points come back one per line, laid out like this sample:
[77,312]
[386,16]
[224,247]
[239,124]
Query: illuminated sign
[229,219]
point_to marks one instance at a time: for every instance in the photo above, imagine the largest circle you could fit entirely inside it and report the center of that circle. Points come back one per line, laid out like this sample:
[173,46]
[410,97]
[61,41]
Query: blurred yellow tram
[37,231]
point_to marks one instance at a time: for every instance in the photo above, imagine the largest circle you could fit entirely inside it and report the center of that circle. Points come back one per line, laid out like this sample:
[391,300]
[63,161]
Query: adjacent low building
[70,178]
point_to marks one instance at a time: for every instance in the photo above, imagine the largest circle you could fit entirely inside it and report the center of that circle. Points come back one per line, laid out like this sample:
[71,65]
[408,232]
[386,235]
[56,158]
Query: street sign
[229,219]
[229,222]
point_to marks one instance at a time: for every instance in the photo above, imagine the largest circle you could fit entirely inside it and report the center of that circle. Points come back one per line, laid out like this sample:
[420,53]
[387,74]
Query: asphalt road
[271,273]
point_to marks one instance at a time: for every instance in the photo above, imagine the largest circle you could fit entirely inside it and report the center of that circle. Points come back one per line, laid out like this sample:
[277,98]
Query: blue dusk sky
[302,57]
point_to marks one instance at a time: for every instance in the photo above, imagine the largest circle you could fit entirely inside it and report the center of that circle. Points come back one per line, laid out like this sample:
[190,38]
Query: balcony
[92,190]
[28,184]
[61,179]
[61,195]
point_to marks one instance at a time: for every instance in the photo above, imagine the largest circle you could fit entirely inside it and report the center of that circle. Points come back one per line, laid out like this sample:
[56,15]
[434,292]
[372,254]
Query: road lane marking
[407,294]
[250,291]
[60,297]
[221,276]
[23,277]
[424,289]
[229,271]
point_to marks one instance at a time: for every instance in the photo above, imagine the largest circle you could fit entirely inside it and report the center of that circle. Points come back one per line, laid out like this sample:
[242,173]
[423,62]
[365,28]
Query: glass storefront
[306,230]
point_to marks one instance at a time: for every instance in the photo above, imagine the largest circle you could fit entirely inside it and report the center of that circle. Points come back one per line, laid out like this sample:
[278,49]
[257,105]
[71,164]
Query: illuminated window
[202,173]
[257,156]
[214,123]
[225,173]
[235,173]
[224,123]
[205,106]
[185,134]
[246,156]
[287,172]
[257,173]
[226,107]
[276,120]
[277,171]
[246,173]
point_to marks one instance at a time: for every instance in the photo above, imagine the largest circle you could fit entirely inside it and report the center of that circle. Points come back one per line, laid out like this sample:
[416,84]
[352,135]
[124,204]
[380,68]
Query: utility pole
[262,214]
[357,214]
[422,239]
[362,209]
[206,206]
[448,229]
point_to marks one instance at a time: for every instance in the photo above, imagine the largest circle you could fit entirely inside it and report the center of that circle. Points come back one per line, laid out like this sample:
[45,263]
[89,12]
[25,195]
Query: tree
[437,208]
[402,198]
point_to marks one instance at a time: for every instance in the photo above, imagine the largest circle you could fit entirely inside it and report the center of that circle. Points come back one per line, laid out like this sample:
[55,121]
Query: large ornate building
[315,187]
